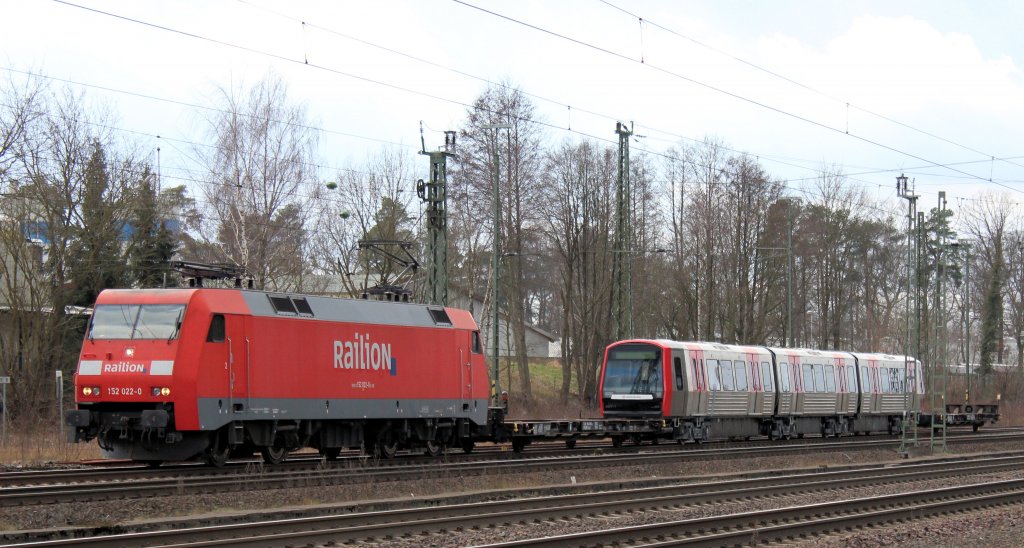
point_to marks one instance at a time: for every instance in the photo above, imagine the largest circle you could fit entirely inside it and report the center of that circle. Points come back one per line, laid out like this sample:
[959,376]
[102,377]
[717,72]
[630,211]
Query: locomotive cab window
[216,333]
[477,347]
[135,322]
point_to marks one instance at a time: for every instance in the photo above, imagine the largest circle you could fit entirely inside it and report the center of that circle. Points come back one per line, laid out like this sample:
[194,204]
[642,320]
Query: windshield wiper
[177,327]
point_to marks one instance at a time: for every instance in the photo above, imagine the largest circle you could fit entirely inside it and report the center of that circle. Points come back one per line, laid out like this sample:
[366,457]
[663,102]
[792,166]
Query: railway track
[123,471]
[592,504]
[85,485]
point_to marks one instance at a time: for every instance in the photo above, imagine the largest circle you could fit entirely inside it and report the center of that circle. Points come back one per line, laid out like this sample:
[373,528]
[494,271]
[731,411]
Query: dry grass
[37,446]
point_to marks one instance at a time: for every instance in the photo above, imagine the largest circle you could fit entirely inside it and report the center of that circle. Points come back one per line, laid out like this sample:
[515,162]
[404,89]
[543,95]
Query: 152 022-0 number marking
[124,391]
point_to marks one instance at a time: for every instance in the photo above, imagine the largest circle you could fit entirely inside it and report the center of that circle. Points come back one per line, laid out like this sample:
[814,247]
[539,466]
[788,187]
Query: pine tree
[152,244]
[96,259]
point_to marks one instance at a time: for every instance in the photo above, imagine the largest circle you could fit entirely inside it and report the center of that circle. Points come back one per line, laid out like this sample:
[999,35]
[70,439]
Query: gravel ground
[996,527]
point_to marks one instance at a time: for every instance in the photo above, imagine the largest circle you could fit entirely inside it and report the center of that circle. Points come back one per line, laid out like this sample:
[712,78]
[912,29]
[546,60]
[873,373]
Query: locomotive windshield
[633,372]
[136,322]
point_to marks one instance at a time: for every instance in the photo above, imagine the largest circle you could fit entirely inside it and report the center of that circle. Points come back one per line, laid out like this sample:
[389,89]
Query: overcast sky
[877,87]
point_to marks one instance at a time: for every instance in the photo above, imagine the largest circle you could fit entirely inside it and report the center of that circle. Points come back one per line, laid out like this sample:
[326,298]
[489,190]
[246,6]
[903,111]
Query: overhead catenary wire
[722,91]
[598,138]
[463,104]
[806,87]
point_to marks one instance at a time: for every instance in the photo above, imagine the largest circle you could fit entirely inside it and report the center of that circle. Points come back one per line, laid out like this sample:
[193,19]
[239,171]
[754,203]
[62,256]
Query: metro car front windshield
[633,370]
[136,322]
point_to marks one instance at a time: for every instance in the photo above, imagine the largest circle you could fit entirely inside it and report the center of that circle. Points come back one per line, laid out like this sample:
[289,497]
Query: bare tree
[580,178]
[370,201]
[521,193]
[261,171]
[986,220]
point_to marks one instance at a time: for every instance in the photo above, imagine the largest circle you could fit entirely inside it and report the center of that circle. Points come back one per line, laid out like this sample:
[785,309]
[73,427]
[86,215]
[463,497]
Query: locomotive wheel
[273,454]
[330,453]
[467,446]
[433,449]
[386,449]
[218,452]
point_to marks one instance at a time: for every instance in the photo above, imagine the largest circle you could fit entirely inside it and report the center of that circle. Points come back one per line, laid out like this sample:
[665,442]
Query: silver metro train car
[708,390]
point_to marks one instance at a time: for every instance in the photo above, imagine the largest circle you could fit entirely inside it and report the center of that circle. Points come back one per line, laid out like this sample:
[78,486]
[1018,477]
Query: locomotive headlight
[87,391]
[165,392]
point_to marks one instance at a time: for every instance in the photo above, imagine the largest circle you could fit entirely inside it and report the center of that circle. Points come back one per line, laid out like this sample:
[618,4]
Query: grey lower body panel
[215,413]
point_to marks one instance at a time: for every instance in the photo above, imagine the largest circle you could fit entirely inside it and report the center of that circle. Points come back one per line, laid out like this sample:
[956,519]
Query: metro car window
[808,379]
[741,375]
[714,381]
[766,377]
[679,372]
[136,322]
[830,379]
[725,369]
[784,376]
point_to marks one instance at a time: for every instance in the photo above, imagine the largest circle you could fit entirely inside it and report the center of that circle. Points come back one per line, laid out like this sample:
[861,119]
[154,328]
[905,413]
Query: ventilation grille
[290,306]
[440,316]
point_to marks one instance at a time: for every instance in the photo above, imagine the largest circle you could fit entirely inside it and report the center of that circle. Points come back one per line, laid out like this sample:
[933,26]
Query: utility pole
[496,265]
[939,342]
[910,364]
[435,194]
[789,275]
[622,265]
[967,316]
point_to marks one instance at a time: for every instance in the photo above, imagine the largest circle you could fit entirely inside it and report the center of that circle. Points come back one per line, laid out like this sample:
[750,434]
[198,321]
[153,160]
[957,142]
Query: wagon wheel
[518,444]
[157,463]
[433,449]
[467,446]
[617,441]
[330,453]
[274,454]
[570,443]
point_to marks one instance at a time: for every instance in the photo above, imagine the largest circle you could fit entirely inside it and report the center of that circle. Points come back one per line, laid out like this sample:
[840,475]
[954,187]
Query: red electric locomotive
[202,373]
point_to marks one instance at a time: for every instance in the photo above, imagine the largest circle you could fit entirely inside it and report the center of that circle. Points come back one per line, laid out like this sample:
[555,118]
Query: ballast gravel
[1001,526]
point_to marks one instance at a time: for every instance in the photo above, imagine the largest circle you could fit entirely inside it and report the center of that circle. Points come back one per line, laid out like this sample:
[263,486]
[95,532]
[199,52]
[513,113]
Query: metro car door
[756,385]
[700,385]
[237,363]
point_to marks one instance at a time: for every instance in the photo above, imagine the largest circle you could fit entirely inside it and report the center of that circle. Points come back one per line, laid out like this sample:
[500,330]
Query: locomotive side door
[237,363]
[465,357]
